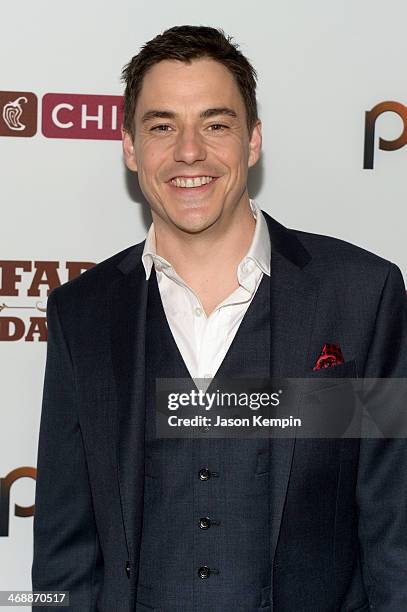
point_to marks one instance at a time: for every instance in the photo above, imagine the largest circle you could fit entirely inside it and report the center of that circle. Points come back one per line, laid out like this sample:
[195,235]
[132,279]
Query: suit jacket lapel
[293,300]
[127,318]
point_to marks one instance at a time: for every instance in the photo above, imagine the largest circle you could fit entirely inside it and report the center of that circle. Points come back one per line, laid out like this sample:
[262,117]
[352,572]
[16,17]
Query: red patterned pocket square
[330,355]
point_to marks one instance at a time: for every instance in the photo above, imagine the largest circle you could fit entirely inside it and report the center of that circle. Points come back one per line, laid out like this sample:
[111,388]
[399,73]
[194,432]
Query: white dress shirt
[202,340]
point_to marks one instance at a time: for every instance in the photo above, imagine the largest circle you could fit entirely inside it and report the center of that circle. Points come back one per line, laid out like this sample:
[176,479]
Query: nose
[189,146]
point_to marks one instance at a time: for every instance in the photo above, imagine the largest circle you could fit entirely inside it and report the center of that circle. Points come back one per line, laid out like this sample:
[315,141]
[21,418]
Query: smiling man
[191,142]
[126,520]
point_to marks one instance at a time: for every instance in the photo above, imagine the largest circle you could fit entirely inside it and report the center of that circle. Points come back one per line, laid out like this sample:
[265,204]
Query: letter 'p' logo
[370,124]
[5,486]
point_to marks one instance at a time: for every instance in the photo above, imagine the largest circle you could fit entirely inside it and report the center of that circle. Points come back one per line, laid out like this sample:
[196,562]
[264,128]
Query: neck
[215,252]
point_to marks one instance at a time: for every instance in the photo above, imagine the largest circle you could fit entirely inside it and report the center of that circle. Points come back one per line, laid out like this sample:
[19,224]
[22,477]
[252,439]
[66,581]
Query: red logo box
[92,117]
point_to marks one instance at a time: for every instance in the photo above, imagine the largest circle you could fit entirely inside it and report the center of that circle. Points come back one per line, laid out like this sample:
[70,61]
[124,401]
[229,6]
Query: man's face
[192,148]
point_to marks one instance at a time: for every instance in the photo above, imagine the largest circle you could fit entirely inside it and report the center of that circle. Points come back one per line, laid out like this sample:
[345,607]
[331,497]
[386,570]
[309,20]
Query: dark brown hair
[186,43]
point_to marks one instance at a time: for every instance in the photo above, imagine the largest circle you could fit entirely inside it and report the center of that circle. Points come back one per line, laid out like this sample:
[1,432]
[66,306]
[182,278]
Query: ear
[255,144]
[128,151]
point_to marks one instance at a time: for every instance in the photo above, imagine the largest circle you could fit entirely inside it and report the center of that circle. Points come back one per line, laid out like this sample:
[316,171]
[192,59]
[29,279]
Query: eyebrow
[206,114]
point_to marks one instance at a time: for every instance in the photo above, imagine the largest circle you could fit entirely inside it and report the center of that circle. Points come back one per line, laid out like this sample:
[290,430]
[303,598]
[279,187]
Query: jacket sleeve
[382,474]
[66,548]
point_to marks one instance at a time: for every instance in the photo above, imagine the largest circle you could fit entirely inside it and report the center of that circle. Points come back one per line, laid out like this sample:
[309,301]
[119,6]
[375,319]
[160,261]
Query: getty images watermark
[198,398]
[316,407]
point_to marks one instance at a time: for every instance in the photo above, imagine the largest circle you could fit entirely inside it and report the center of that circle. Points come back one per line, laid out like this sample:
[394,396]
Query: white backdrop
[321,65]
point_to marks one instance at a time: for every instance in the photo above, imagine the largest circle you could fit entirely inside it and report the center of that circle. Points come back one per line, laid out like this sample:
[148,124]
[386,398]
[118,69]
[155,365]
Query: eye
[163,127]
[217,127]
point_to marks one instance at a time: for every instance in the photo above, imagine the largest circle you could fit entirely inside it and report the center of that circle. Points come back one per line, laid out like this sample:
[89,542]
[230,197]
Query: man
[128,521]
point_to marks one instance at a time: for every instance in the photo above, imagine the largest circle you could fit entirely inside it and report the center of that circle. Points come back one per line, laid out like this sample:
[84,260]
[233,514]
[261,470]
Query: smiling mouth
[192,182]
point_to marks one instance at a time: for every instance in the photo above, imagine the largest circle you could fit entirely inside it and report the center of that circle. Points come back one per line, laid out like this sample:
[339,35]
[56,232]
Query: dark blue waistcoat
[206,522]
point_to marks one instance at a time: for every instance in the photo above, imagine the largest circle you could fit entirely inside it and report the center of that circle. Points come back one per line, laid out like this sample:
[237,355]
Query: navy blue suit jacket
[338,510]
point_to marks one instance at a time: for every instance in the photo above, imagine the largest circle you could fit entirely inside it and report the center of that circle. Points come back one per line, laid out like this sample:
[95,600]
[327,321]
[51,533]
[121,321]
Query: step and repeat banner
[333,101]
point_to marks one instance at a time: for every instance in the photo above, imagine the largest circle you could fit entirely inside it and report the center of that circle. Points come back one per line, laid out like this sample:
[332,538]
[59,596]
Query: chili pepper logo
[12,112]
[18,113]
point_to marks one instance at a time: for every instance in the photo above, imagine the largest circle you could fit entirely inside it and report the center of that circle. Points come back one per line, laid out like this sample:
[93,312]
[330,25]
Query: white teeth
[191,182]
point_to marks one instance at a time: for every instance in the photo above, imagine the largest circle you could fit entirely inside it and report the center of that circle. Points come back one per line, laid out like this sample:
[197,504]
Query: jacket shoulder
[324,255]
[335,253]
[97,280]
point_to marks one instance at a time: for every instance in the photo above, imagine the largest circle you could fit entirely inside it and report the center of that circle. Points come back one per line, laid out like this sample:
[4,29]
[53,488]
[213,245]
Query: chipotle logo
[18,113]
[81,116]
[63,115]
[24,287]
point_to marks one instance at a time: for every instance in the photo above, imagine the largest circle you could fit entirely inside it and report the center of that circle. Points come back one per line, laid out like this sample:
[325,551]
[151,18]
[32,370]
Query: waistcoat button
[204,474]
[128,569]
[204,522]
[204,572]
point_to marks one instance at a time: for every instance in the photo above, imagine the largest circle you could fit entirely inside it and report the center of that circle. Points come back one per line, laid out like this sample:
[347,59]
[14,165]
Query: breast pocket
[328,405]
[348,369]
